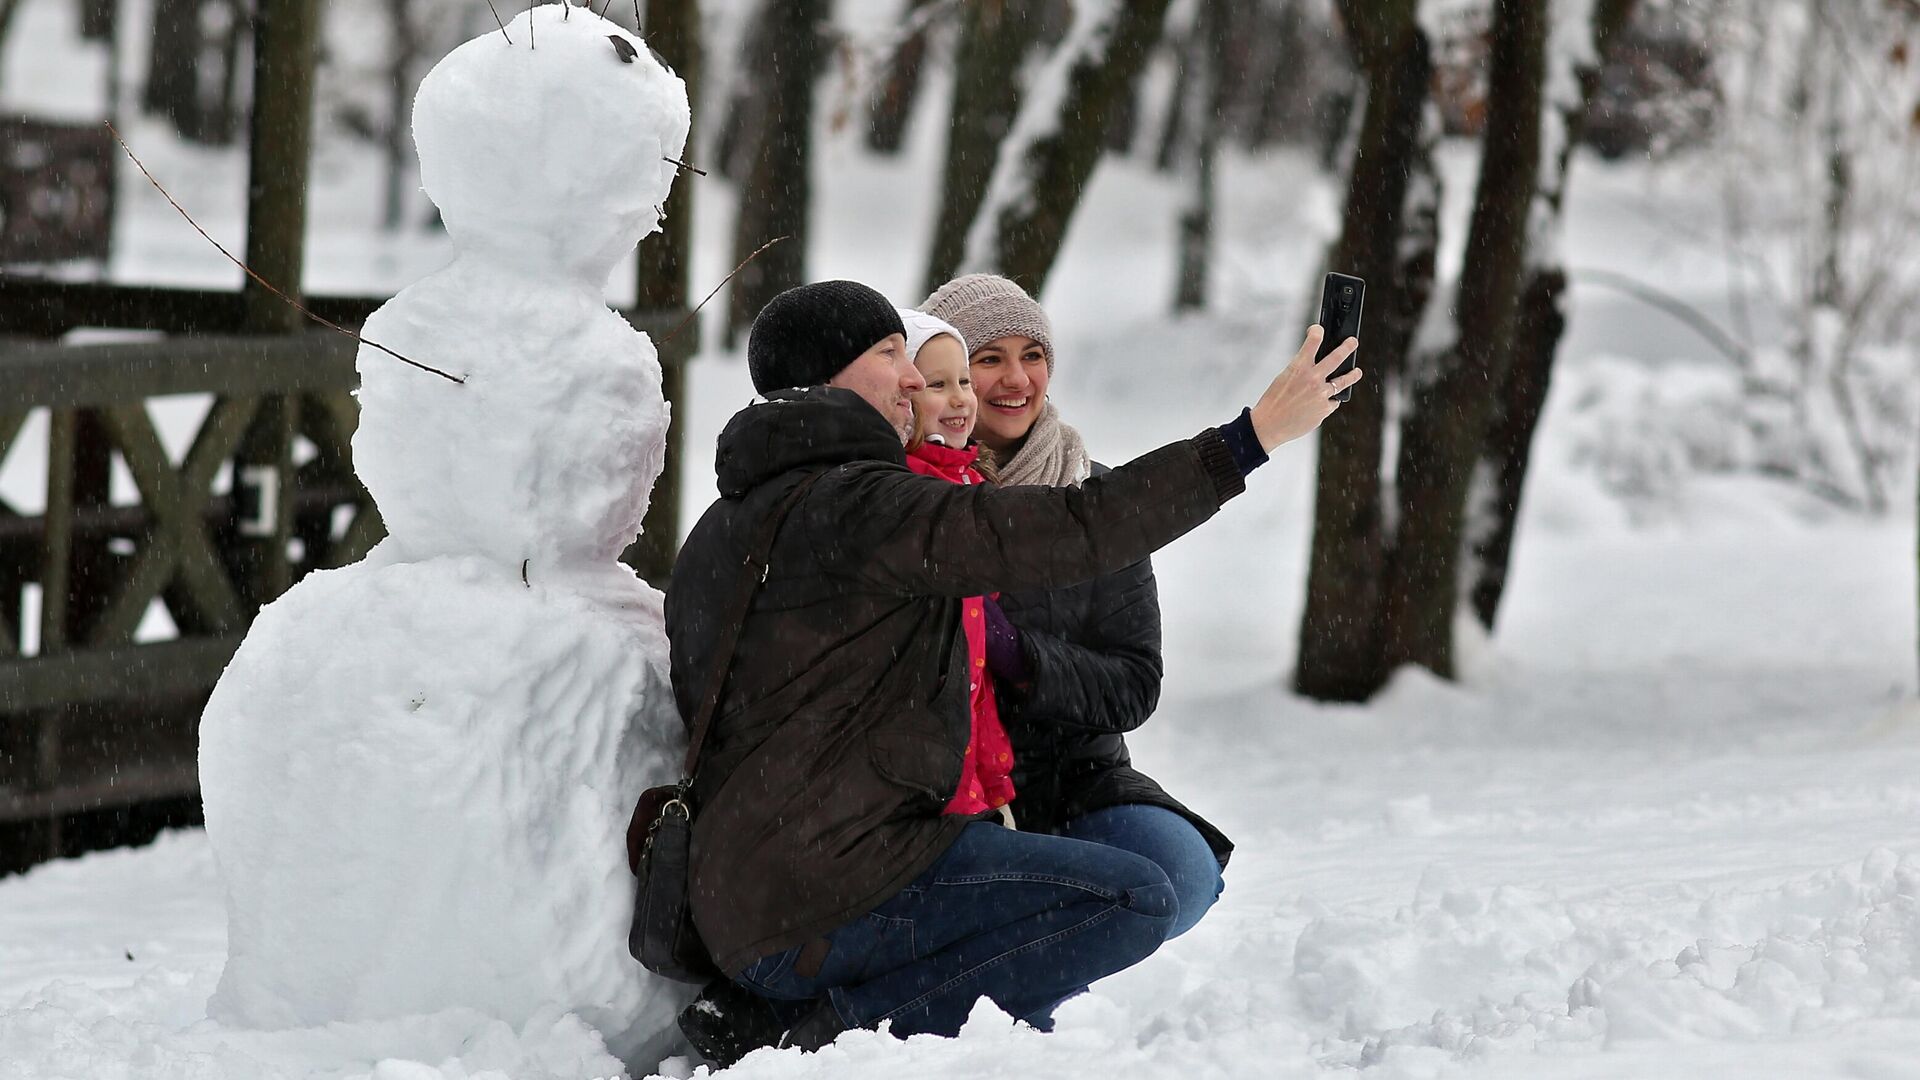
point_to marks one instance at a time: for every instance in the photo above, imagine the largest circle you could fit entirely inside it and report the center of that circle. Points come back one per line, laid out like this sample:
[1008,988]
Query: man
[826,881]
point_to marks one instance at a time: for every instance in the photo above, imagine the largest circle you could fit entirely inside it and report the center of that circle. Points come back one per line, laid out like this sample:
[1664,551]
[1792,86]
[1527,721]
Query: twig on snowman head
[503,26]
[530,24]
[683,165]
[268,285]
[723,284]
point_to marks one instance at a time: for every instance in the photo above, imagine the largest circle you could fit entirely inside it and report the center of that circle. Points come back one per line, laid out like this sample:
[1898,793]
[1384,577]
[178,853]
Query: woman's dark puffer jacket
[1093,654]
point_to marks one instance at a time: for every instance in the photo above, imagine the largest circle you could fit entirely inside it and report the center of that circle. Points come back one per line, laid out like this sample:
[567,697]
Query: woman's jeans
[1171,842]
[1024,919]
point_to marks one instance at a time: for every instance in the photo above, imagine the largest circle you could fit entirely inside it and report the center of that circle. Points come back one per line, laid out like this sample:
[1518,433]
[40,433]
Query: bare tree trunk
[406,47]
[182,62]
[1506,453]
[1201,74]
[899,87]
[1447,413]
[1833,284]
[8,9]
[279,161]
[223,116]
[1389,235]
[665,266]
[776,194]
[1038,179]
[172,84]
[1283,46]
[96,18]
[1174,129]
[745,116]
[1501,477]
[1829,284]
[995,38]
[1123,119]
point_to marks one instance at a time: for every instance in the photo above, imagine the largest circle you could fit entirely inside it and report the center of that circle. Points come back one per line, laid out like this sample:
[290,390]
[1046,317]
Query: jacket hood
[796,429]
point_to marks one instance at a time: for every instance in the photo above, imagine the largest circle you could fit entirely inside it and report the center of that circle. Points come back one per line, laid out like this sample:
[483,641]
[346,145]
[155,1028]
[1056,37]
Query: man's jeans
[1171,842]
[1024,919]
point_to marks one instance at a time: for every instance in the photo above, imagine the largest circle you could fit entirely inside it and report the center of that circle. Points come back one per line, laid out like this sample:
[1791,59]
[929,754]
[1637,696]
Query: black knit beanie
[804,336]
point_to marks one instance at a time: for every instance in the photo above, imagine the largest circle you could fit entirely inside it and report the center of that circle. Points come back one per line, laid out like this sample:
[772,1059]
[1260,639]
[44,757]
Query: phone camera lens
[1346,290]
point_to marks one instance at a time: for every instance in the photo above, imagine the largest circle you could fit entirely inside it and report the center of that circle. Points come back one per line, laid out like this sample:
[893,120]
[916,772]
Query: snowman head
[546,142]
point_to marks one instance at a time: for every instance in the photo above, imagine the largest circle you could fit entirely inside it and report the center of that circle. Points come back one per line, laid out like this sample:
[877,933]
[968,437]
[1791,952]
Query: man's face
[887,379]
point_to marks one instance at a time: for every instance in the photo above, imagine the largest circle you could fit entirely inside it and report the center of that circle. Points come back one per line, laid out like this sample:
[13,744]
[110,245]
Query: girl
[944,414]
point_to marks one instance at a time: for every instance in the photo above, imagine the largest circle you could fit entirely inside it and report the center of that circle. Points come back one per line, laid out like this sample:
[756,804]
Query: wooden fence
[95,718]
[92,717]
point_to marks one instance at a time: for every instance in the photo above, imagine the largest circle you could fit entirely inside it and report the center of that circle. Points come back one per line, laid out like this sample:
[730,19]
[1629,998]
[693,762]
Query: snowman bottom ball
[417,778]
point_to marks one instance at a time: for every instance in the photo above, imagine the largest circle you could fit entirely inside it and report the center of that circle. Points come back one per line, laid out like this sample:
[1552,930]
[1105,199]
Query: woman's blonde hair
[987,465]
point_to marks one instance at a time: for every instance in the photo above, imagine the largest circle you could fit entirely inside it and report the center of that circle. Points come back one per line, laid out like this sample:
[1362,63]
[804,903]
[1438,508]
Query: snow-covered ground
[1668,824]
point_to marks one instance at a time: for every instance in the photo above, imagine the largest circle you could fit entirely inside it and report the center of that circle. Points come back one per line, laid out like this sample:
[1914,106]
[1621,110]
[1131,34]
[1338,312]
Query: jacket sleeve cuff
[1243,443]
[1218,462]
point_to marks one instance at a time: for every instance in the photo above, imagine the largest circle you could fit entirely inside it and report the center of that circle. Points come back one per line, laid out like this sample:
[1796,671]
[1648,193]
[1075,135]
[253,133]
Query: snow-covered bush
[1814,161]
[1650,433]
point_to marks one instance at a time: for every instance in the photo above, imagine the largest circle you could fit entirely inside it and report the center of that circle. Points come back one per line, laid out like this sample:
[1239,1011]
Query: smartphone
[1340,301]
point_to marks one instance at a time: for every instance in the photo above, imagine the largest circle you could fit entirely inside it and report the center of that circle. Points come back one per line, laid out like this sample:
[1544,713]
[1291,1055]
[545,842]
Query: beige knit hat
[988,307]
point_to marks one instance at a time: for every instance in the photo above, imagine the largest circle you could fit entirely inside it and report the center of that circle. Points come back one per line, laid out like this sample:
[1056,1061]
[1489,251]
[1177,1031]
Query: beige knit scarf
[1053,455]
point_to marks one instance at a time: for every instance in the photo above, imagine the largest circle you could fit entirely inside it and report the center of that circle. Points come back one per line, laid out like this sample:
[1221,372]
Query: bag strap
[756,567]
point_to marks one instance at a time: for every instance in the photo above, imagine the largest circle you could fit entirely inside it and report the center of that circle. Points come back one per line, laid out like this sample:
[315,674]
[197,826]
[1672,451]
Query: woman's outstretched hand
[1302,395]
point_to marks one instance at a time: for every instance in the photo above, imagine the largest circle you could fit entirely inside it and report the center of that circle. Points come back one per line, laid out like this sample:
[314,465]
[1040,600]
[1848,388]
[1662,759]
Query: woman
[1078,666]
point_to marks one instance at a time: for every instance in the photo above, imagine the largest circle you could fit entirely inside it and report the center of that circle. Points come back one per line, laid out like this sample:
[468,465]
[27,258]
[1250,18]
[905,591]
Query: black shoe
[727,1022]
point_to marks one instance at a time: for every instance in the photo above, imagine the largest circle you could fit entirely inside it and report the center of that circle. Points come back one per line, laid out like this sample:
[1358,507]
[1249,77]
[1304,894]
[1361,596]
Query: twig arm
[264,283]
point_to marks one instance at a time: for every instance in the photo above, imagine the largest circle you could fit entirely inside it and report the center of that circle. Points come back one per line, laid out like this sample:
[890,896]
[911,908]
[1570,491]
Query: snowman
[418,769]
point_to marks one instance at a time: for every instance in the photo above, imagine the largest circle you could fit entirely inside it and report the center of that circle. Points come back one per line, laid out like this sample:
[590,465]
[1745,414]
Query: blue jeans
[1171,842]
[1024,919]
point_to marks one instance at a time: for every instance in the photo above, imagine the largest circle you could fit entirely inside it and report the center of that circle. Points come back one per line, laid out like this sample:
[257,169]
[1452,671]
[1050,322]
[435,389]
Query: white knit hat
[922,328]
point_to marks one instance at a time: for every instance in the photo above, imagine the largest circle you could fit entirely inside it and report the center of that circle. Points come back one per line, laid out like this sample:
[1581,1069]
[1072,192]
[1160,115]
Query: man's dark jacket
[1093,661]
[841,726]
